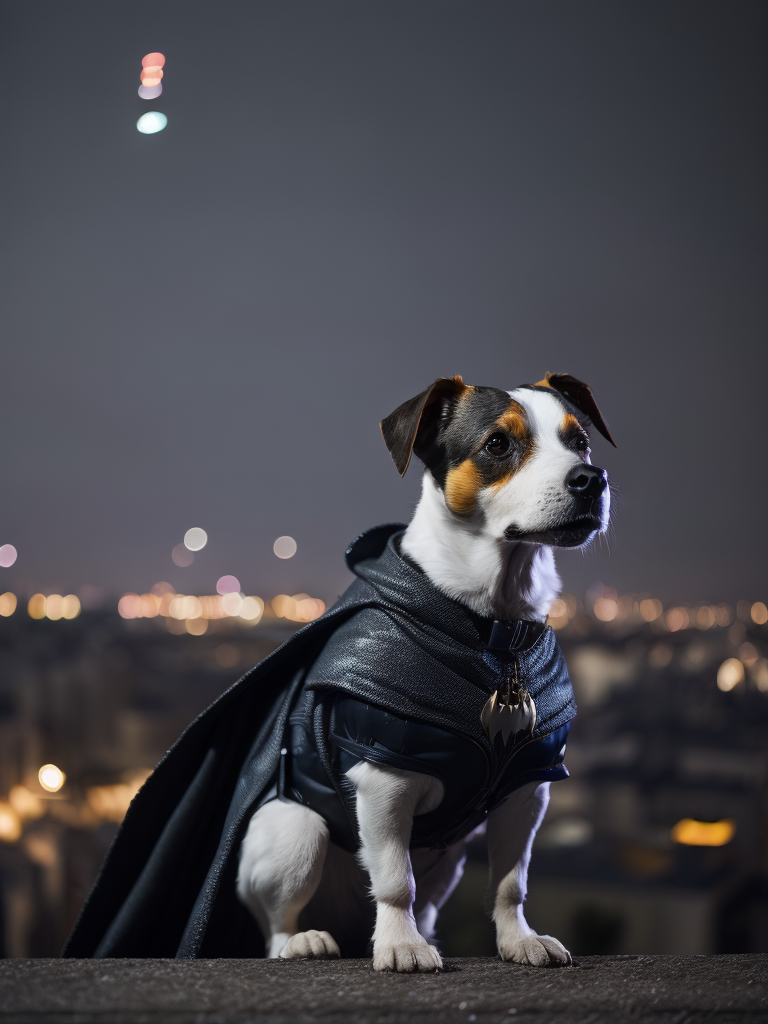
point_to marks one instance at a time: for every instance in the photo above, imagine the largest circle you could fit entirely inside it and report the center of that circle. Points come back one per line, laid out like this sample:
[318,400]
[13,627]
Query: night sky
[204,327]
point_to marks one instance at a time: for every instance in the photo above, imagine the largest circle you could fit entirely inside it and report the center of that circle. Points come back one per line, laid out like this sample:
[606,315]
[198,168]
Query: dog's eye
[581,443]
[497,444]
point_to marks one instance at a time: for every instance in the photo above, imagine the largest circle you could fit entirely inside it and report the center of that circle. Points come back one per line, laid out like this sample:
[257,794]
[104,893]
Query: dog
[508,478]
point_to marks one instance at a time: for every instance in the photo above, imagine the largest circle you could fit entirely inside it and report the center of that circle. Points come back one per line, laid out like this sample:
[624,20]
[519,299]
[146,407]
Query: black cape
[167,887]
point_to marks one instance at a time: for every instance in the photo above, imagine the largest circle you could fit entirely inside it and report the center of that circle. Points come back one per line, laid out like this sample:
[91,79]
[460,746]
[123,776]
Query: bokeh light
[606,609]
[36,606]
[690,832]
[182,556]
[54,607]
[151,76]
[758,611]
[27,805]
[7,604]
[195,539]
[650,609]
[299,608]
[232,603]
[150,92]
[51,778]
[153,60]
[228,585]
[748,654]
[150,605]
[252,609]
[760,674]
[111,802]
[281,605]
[70,606]
[723,615]
[730,674]
[8,555]
[10,825]
[558,614]
[151,122]
[128,607]
[285,547]
[677,618]
[706,617]
[182,607]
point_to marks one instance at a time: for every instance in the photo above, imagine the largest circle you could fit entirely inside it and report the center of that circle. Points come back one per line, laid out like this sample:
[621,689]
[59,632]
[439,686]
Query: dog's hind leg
[437,873]
[510,833]
[281,863]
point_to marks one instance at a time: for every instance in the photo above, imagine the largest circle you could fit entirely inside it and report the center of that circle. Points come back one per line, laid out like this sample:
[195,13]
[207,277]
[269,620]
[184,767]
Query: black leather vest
[330,731]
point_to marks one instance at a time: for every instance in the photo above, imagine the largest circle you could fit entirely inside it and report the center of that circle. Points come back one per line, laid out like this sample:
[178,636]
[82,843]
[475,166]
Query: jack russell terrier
[442,706]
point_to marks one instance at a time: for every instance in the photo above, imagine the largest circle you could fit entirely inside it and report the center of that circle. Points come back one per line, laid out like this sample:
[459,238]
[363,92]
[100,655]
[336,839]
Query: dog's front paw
[310,943]
[537,950]
[406,956]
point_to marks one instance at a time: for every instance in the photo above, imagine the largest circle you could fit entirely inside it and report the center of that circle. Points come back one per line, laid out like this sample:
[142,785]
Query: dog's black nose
[587,481]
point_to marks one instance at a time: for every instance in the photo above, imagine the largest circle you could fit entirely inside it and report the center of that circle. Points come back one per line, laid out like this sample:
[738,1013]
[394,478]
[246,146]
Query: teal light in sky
[151,122]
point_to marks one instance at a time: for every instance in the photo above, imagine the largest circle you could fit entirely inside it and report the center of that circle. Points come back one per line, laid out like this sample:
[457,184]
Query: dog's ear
[407,427]
[579,394]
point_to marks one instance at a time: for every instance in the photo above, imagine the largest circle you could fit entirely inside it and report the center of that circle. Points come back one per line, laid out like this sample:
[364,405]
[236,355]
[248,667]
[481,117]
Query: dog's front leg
[510,833]
[387,799]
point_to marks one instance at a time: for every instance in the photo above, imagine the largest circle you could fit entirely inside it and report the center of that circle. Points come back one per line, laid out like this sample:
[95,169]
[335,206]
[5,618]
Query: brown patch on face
[570,423]
[574,436]
[462,485]
[513,421]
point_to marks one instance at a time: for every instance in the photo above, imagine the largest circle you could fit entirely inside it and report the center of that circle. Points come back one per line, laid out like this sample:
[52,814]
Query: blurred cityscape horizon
[658,842]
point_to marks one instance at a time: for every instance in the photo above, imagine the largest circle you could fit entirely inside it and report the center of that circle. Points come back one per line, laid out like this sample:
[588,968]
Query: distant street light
[151,122]
[284,547]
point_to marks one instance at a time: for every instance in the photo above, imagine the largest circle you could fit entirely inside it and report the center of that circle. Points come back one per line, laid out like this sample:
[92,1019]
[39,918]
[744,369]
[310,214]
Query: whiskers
[606,539]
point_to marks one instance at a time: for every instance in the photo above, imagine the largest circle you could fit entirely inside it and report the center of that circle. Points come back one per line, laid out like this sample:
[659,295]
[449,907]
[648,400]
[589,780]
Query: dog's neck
[497,579]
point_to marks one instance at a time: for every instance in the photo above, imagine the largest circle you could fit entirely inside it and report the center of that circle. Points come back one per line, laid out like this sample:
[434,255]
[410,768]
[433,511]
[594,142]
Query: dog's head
[516,464]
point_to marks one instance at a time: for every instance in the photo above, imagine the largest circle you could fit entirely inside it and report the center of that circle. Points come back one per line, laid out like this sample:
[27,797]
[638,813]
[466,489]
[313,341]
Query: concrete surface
[596,990]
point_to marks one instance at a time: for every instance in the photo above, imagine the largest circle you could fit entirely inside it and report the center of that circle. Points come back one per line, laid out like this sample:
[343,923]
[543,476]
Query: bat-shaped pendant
[516,713]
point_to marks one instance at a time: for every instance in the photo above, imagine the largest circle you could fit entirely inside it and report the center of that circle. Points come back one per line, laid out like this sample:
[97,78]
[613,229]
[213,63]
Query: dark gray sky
[203,327]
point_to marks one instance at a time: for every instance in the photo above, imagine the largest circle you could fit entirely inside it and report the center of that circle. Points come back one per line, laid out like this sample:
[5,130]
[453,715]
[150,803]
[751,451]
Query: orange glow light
[153,60]
[10,826]
[690,832]
[150,78]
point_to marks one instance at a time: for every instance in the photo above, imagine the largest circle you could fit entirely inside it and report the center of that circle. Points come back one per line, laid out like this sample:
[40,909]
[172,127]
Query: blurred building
[658,842]
[101,698]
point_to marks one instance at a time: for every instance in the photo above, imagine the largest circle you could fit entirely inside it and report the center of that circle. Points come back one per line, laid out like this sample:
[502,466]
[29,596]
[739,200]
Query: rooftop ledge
[598,990]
